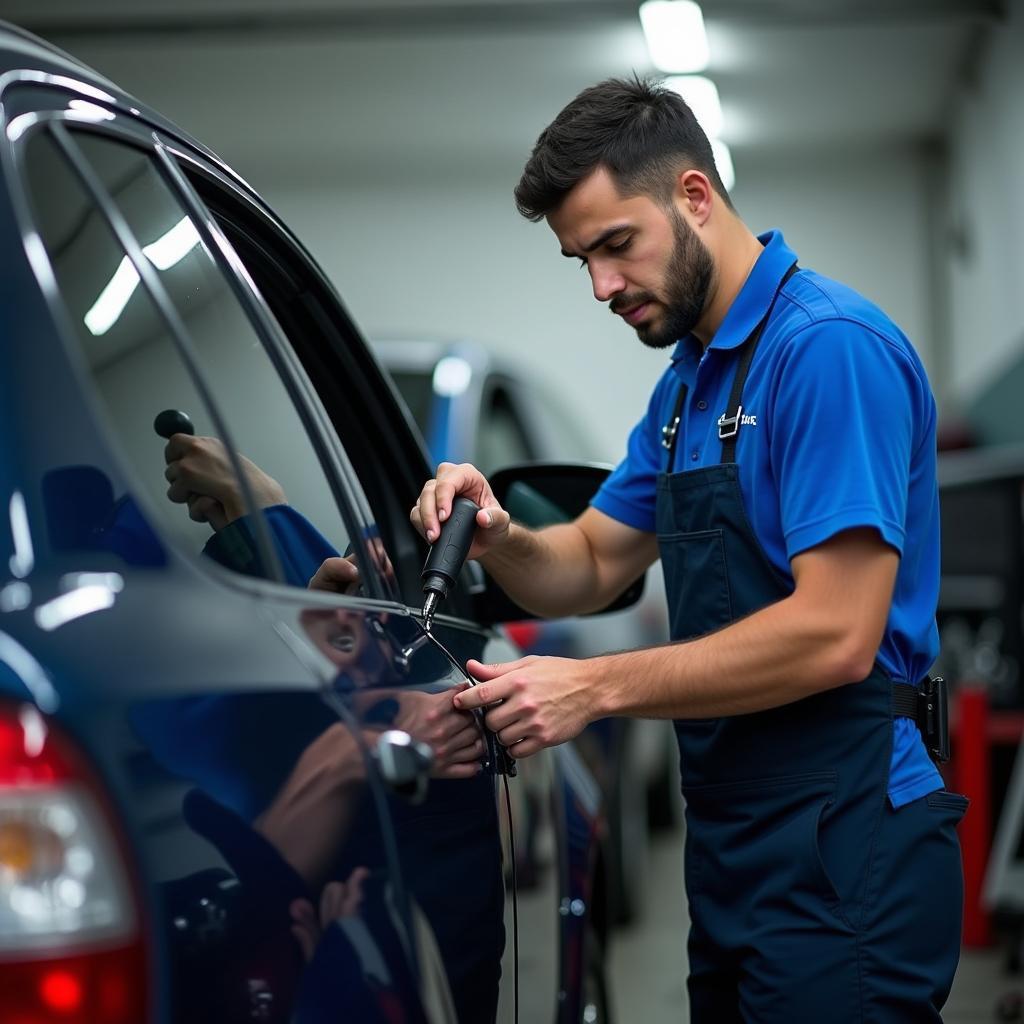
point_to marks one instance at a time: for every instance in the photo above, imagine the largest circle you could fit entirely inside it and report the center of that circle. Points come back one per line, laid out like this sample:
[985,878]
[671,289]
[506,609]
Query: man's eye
[620,246]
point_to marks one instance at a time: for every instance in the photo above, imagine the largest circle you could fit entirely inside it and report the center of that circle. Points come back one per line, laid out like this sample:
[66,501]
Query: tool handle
[448,553]
[173,421]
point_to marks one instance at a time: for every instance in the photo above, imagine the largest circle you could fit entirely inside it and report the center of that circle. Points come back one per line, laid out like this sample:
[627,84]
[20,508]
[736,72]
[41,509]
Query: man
[785,473]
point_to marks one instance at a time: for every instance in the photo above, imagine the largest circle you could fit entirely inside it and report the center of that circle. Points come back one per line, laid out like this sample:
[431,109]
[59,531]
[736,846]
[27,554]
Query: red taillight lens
[90,988]
[30,755]
[71,949]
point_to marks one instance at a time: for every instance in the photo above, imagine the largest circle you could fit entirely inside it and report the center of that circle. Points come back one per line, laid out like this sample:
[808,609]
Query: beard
[688,278]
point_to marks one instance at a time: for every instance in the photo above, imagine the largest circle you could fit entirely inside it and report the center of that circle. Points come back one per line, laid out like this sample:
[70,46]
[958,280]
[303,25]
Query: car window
[140,372]
[385,459]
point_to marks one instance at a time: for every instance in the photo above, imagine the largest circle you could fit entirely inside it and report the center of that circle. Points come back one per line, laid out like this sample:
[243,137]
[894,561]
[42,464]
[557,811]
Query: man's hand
[338,899]
[337,575]
[435,505]
[543,701]
[201,476]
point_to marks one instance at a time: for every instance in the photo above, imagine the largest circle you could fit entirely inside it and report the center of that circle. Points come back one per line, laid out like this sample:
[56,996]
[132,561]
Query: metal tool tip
[429,607]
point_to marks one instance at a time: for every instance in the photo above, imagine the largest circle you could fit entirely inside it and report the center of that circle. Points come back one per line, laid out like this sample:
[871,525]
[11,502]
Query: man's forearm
[549,572]
[779,654]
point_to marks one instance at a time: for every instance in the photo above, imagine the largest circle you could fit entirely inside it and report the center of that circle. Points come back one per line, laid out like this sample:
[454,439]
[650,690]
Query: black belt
[927,705]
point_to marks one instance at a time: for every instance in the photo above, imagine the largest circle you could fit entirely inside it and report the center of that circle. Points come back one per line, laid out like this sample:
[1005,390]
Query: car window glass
[94,277]
[139,373]
[384,459]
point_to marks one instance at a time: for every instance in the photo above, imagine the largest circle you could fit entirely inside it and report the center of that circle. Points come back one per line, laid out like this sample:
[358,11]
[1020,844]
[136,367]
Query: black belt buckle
[933,717]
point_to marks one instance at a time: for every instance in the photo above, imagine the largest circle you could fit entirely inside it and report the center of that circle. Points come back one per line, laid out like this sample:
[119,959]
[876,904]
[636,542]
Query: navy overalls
[811,899]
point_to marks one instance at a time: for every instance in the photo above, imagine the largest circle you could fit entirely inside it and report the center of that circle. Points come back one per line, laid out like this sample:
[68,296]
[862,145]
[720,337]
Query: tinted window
[139,371]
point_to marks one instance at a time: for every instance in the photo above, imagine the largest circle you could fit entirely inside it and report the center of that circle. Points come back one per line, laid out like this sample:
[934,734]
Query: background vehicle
[473,407]
[216,799]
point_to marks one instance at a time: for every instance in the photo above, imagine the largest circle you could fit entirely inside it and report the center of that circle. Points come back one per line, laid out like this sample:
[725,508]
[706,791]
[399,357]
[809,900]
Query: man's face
[646,262]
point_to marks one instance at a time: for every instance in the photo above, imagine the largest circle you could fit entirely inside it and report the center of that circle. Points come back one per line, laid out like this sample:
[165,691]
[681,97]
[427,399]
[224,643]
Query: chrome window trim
[340,477]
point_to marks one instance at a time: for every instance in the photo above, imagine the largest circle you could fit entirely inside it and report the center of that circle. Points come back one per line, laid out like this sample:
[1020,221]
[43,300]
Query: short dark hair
[643,133]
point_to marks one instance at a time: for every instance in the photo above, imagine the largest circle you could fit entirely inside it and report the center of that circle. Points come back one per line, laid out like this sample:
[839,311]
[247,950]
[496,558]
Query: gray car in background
[472,406]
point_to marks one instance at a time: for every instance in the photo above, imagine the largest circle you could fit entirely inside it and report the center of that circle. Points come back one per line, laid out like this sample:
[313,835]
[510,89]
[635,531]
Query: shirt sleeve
[847,414]
[630,492]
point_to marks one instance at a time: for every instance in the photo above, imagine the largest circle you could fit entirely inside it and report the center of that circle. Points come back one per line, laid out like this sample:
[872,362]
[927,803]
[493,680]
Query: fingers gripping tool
[440,572]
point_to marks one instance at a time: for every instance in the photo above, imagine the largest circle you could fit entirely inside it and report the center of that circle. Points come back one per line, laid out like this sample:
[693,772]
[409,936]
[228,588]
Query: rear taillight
[71,948]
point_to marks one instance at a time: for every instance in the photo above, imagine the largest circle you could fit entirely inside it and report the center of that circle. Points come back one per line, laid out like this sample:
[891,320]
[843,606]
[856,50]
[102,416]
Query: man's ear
[694,195]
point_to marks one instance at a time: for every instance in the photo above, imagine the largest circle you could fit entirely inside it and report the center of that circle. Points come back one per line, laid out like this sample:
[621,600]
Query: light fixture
[676,40]
[23,560]
[452,376]
[174,246]
[170,248]
[723,161]
[110,303]
[701,96]
[73,605]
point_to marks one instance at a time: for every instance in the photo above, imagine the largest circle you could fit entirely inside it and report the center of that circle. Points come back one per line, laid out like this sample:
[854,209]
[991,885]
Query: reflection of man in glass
[319,819]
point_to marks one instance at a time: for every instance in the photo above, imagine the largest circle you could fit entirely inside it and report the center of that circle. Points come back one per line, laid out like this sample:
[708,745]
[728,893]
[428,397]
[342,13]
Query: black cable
[515,904]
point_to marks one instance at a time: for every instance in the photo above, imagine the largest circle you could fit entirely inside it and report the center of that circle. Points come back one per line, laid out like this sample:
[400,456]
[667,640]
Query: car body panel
[239,725]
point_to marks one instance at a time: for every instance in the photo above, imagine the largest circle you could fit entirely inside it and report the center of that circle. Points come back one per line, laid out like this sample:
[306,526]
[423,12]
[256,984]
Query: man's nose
[607,283]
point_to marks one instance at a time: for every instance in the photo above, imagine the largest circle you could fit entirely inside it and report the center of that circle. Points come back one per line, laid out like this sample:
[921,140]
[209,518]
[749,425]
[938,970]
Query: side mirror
[542,494]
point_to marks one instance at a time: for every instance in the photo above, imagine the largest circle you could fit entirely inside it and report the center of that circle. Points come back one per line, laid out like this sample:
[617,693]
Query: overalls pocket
[754,849]
[955,804]
[695,563]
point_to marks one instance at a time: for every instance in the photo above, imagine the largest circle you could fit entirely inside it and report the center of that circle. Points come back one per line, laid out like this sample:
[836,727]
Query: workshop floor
[648,962]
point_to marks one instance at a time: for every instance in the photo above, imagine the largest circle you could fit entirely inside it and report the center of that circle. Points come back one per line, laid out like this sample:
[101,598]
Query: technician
[784,472]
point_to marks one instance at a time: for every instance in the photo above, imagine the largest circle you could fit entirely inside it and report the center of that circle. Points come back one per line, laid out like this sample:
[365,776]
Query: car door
[556,868]
[252,794]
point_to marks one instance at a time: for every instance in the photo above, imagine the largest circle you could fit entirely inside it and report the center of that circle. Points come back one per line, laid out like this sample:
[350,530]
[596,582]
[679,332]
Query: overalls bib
[808,897]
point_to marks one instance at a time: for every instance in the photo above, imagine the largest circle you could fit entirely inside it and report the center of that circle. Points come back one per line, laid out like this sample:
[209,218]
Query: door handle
[404,764]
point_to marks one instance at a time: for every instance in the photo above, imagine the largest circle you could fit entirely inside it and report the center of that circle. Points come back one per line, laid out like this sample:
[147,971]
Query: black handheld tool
[173,421]
[447,555]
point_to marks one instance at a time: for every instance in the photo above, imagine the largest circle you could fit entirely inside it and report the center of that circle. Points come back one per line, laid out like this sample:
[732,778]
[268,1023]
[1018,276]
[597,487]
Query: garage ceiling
[318,88]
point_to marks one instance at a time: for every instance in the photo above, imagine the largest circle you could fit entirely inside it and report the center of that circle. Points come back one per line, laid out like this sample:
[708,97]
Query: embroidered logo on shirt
[745,420]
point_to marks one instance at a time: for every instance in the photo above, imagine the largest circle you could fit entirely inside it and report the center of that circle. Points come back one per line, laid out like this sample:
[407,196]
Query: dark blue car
[224,796]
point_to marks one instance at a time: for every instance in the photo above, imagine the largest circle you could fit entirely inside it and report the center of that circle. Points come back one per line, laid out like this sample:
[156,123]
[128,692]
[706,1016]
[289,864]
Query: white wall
[860,218]
[454,259]
[983,257]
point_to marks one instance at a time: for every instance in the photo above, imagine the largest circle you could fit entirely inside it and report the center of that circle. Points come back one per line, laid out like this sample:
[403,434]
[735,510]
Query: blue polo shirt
[838,432]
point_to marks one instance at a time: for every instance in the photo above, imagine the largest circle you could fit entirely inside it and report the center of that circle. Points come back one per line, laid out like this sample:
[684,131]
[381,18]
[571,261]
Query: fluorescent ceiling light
[701,95]
[170,248]
[83,110]
[676,40]
[112,300]
[452,376]
[174,246]
[73,605]
[24,558]
[723,161]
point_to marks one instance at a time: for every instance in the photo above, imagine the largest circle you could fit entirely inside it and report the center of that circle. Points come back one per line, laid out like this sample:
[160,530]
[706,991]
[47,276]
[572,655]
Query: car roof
[22,51]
